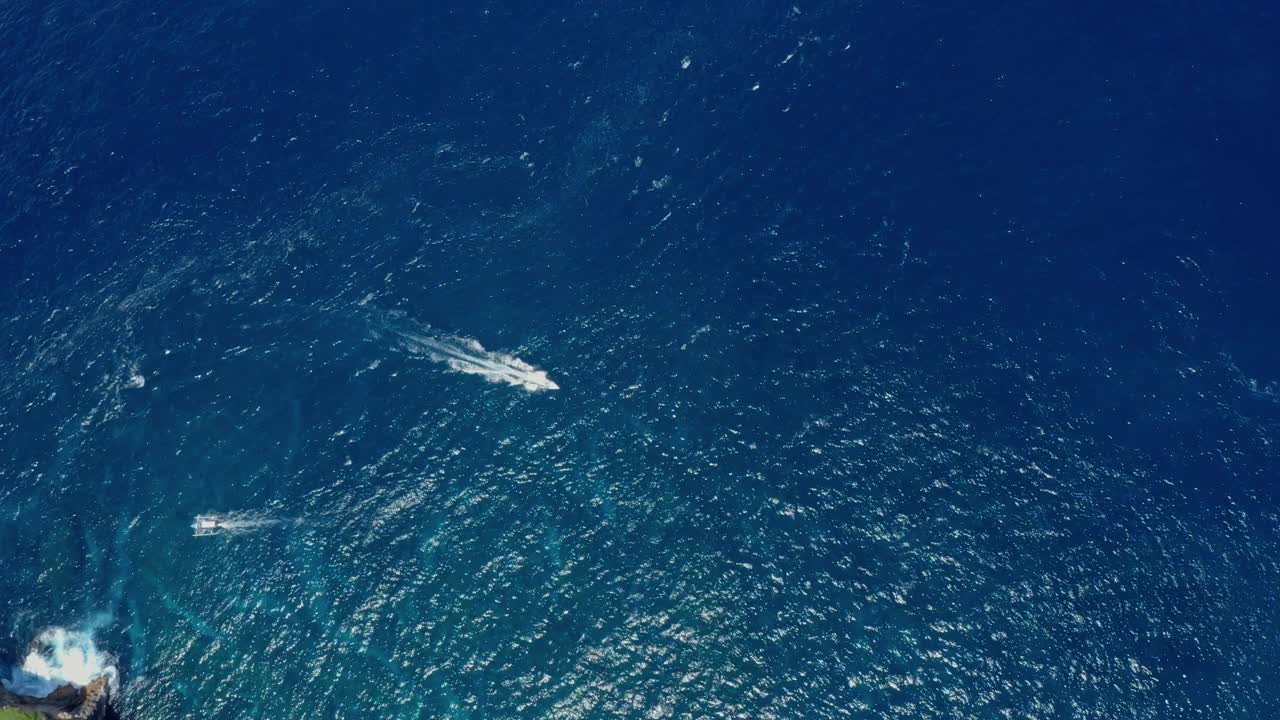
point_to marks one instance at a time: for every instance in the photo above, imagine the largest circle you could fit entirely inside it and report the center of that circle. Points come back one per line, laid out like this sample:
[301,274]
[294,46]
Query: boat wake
[238,523]
[468,356]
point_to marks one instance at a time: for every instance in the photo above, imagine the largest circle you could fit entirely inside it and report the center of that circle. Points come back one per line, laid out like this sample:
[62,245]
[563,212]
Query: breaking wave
[59,656]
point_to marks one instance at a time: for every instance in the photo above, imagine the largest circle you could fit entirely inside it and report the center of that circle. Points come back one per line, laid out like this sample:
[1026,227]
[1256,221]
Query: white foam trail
[237,523]
[59,656]
[248,525]
[469,356]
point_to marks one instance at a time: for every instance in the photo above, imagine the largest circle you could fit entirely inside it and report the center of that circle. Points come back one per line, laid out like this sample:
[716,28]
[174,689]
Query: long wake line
[469,356]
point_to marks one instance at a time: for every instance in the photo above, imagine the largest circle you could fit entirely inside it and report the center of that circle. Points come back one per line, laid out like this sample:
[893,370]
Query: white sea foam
[59,656]
[469,356]
[238,523]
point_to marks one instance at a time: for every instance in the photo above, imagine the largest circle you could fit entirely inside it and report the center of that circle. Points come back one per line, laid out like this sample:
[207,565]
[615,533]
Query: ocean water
[913,361]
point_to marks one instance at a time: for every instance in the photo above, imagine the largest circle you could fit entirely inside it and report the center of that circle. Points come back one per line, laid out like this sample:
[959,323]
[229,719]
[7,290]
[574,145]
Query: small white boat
[208,525]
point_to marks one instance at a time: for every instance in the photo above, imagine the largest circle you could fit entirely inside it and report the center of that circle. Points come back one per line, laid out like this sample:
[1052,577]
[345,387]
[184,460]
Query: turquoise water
[910,362]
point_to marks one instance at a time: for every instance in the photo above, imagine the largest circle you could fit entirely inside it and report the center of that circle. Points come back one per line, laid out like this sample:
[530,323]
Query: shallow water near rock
[911,362]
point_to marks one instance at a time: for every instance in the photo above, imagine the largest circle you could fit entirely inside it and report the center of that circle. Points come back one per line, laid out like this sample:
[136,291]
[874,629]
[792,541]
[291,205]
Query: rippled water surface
[912,361]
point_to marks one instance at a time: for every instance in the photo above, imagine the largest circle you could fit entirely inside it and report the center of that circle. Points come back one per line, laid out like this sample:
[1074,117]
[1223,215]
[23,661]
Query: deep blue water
[914,361]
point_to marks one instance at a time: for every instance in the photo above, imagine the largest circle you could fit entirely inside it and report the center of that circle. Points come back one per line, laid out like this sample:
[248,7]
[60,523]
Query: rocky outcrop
[66,703]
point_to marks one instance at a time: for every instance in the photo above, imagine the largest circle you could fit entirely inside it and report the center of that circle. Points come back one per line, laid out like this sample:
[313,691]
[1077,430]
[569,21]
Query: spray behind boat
[237,523]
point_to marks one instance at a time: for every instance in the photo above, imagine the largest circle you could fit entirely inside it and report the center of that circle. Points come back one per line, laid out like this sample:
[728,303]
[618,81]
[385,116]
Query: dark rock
[66,703]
